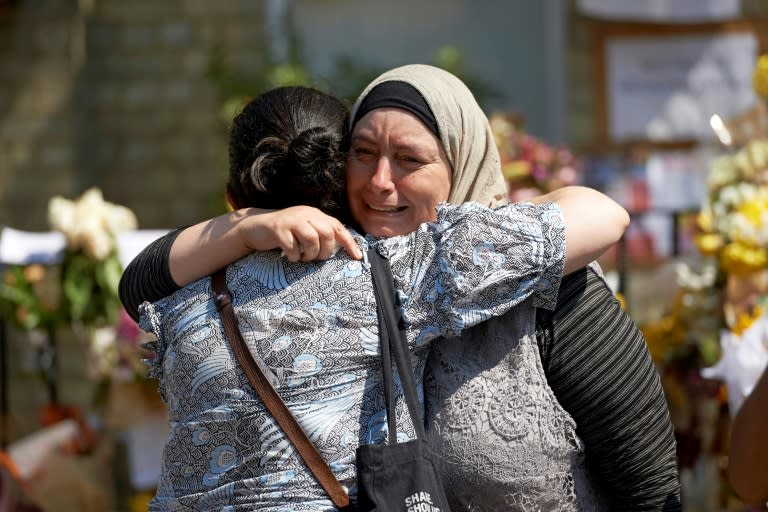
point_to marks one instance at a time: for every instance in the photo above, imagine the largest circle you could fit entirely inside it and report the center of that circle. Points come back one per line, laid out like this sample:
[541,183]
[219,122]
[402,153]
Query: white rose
[93,238]
[61,215]
[91,199]
[119,219]
[90,206]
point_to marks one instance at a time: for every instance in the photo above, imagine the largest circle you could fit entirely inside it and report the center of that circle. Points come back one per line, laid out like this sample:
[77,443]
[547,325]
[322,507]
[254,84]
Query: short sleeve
[474,263]
[147,276]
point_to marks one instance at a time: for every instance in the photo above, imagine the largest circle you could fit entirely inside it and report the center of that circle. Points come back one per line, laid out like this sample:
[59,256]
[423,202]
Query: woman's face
[397,173]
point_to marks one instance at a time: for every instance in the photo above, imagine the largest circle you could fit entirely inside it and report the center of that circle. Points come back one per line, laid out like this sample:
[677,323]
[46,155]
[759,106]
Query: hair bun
[270,160]
[312,145]
[319,153]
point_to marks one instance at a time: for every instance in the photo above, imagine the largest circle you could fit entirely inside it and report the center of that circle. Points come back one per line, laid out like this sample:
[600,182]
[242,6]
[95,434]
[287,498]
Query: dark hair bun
[287,147]
[318,163]
[269,161]
[317,155]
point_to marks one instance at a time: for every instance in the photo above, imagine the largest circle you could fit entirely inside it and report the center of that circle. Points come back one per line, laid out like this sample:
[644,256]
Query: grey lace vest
[506,443]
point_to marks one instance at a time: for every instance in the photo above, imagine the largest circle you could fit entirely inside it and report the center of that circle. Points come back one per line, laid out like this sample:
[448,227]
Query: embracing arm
[748,457]
[182,256]
[593,223]
[598,365]
[303,232]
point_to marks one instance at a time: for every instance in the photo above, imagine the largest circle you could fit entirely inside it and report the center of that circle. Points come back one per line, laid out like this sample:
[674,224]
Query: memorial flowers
[81,292]
[530,166]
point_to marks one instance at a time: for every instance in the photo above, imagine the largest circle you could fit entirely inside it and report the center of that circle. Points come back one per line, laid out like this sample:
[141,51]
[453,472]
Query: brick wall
[114,94]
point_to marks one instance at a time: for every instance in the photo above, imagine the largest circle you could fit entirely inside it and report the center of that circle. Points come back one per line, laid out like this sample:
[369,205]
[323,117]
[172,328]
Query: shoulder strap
[390,328]
[271,398]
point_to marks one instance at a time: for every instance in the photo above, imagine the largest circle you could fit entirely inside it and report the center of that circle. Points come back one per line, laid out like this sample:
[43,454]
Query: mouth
[386,209]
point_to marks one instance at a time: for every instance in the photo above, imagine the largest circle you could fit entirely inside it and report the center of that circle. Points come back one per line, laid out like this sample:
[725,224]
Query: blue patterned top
[315,326]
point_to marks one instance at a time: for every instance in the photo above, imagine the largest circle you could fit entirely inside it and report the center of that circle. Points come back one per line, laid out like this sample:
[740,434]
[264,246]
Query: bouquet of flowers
[91,269]
[734,217]
[733,226]
[82,291]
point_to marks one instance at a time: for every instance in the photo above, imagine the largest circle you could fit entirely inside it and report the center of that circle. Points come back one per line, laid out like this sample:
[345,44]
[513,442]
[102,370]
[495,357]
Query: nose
[382,178]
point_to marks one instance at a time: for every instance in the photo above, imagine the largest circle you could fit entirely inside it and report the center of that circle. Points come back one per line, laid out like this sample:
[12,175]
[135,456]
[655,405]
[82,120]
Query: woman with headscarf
[496,412]
[559,410]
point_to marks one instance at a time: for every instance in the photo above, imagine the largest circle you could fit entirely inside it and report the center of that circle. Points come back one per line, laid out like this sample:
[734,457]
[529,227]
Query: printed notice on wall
[666,88]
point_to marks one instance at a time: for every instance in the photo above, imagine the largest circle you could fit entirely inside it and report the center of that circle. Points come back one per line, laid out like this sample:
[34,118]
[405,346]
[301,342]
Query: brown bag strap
[272,401]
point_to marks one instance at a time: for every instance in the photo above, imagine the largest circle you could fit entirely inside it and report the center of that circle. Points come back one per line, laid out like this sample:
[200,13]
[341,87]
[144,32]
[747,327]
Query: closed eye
[363,152]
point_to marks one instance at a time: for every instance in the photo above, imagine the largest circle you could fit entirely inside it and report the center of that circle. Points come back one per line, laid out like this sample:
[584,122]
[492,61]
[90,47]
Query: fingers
[331,237]
[307,234]
[308,238]
[344,238]
[291,247]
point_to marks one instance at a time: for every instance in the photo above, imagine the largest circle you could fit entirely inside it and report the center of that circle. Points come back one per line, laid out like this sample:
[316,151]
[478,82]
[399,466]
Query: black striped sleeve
[599,367]
[147,276]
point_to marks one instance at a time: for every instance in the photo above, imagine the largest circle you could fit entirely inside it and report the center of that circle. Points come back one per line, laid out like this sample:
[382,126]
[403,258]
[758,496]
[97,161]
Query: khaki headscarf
[464,132]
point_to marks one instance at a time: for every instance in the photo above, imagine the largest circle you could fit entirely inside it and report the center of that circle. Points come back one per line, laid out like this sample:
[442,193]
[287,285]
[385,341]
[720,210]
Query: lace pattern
[506,442]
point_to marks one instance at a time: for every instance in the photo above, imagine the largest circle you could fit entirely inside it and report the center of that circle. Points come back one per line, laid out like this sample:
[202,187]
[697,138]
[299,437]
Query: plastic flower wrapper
[744,357]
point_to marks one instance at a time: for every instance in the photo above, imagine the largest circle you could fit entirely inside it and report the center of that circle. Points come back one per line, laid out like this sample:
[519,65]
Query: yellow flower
[34,273]
[708,243]
[753,210]
[622,300]
[745,319]
[705,220]
[140,502]
[740,259]
[760,76]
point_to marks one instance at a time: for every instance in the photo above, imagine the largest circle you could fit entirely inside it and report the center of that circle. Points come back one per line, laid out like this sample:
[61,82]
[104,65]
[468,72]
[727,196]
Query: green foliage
[450,59]
[89,288]
[22,300]
[80,290]
[347,78]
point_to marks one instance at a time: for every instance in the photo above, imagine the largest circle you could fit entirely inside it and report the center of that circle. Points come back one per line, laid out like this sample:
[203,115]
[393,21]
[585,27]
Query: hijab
[464,131]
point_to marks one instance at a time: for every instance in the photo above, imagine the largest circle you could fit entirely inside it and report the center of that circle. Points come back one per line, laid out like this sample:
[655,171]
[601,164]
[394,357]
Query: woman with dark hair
[314,324]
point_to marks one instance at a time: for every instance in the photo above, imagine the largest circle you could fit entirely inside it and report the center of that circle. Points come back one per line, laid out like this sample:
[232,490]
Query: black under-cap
[397,94]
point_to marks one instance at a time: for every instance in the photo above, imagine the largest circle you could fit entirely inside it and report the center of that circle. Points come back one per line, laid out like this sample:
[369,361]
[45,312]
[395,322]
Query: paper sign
[131,243]
[667,88]
[47,247]
[27,247]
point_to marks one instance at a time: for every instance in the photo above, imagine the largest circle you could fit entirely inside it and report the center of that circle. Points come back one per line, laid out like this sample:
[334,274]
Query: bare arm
[748,457]
[303,232]
[593,223]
